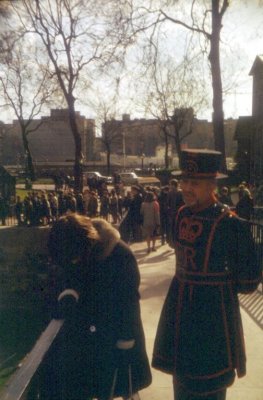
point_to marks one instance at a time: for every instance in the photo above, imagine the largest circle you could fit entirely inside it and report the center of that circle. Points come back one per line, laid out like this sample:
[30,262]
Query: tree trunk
[214,58]
[166,156]
[163,130]
[78,173]
[29,166]
[108,153]
[177,144]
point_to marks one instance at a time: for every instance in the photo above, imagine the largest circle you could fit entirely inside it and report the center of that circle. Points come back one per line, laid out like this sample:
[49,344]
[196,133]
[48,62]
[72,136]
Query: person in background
[224,197]
[164,216]
[113,206]
[80,208]
[174,202]
[105,205]
[120,206]
[45,213]
[53,201]
[134,220]
[199,338]
[150,212]
[71,202]
[93,204]
[86,197]
[19,209]
[245,204]
[96,291]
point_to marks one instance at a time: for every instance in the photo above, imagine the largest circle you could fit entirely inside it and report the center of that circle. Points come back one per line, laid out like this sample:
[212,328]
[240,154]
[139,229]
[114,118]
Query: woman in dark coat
[244,206]
[98,296]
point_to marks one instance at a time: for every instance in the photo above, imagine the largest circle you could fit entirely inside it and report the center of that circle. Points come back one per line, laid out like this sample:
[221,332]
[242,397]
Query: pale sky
[242,41]
[245,37]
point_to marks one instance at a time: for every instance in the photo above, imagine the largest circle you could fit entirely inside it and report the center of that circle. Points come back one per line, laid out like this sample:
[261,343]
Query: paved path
[157,270]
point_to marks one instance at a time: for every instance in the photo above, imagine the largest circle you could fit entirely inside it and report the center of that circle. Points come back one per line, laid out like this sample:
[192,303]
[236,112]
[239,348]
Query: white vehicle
[129,178]
[97,175]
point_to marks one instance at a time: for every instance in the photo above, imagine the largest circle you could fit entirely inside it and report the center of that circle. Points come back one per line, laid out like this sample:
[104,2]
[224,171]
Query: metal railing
[17,387]
[257,233]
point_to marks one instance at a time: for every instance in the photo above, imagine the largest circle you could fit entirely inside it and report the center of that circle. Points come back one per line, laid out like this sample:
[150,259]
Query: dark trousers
[181,394]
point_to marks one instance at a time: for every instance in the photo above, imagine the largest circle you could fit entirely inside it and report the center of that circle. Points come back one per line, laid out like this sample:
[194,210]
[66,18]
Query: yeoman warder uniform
[199,337]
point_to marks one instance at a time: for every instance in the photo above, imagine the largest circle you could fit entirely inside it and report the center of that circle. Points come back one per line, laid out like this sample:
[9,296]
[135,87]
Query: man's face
[197,192]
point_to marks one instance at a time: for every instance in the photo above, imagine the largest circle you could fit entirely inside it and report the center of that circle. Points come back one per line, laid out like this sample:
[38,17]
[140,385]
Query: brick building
[144,136]
[51,142]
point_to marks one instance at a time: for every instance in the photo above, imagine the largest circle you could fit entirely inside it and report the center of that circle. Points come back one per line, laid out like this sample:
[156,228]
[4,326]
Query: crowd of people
[142,213]
[40,207]
[95,279]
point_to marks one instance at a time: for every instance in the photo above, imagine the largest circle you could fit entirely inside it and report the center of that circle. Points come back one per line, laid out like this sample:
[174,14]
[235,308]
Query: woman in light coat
[150,212]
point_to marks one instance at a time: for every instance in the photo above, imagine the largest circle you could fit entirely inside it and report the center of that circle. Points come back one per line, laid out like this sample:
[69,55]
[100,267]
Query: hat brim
[183,175]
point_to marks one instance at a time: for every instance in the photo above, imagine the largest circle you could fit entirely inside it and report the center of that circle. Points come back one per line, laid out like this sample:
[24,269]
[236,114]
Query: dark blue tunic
[199,338]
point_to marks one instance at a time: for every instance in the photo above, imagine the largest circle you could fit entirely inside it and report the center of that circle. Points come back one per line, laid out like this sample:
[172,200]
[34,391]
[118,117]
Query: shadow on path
[253,305]
[153,257]
[155,289]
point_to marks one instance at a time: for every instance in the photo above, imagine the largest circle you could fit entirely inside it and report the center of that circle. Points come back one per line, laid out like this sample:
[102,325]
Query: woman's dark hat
[200,164]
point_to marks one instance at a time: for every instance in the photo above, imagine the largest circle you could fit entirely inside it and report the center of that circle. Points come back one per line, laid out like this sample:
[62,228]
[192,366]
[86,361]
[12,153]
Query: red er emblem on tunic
[190,229]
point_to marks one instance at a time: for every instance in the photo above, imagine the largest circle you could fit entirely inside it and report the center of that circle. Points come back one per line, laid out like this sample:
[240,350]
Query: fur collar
[109,237]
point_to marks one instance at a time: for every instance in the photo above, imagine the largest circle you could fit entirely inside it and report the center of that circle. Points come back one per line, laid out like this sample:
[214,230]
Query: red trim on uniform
[216,283]
[210,239]
[180,383]
[205,394]
[178,318]
[212,376]
[205,273]
[249,281]
[237,330]
[228,345]
[179,211]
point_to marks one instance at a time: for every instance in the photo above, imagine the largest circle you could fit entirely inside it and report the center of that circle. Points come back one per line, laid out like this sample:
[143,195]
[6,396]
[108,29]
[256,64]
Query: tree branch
[189,27]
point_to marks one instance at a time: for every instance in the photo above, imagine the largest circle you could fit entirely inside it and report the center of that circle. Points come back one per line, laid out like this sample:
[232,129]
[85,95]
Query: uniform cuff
[69,292]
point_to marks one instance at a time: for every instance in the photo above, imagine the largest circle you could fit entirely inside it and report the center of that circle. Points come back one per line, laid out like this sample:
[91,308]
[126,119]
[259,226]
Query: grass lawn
[38,181]
[22,192]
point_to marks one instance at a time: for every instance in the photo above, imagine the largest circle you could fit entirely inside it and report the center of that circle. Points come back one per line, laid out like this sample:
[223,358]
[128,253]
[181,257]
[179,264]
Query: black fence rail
[257,233]
[19,386]
[257,215]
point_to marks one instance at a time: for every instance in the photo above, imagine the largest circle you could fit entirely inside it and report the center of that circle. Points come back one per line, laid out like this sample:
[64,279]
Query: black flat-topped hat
[200,164]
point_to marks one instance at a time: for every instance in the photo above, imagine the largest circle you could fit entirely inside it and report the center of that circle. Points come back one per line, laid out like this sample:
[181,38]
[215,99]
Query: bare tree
[202,17]
[212,17]
[110,135]
[173,97]
[77,39]
[26,88]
